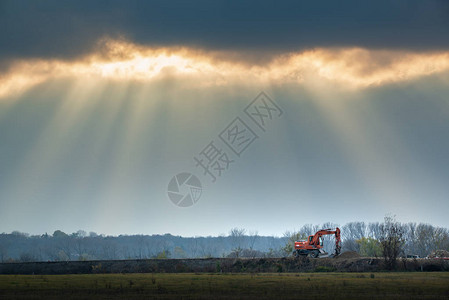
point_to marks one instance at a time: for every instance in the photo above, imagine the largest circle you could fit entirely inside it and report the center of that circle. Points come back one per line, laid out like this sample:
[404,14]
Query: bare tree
[194,247]
[79,245]
[109,249]
[391,241]
[65,246]
[140,251]
[411,239]
[149,248]
[374,230]
[3,251]
[206,248]
[351,232]
[429,238]
[253,235]
[221,240]
[309,229]
[237,238]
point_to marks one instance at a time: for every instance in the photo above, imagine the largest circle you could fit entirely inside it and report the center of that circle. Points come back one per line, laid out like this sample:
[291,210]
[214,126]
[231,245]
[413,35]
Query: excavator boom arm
[318,234]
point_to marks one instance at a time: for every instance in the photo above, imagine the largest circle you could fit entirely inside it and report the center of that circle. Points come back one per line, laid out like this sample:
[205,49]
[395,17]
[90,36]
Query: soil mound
[347,262]
[439,253]
[349,254]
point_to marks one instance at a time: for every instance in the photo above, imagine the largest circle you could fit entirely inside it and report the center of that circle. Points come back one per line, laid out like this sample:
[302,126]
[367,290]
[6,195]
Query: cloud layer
[124,61]
[42,29]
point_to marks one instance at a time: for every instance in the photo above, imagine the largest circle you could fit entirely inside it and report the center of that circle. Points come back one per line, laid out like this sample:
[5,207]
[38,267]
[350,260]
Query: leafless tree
[237,239]
[206,248]
[79,245]
[194,247]
[109,249]
[309,229]
[4,251]
[351,232]
[253,235]
[391,241]
[374,230]
[140,251]
[411,239]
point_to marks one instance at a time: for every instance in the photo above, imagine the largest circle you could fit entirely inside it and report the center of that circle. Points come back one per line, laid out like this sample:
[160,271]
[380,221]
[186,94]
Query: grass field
[433,285]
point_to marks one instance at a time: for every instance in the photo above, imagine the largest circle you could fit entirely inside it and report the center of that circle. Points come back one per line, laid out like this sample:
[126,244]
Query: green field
[433,285]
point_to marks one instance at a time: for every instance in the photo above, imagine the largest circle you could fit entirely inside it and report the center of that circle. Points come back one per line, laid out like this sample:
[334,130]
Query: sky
[195,117]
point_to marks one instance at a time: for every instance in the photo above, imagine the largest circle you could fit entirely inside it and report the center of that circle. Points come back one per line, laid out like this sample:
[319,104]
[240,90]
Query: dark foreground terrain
[347,262]
[397,285]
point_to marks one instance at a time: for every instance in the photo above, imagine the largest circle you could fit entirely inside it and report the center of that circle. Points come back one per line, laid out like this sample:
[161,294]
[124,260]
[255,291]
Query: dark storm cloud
[68,29]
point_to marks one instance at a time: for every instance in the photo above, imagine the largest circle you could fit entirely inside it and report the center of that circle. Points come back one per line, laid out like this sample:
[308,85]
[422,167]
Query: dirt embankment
[346,262]
[348,255]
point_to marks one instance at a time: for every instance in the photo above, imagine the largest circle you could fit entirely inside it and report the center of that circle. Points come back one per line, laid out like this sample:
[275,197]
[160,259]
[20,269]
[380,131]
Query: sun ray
[59,133]
[375,169]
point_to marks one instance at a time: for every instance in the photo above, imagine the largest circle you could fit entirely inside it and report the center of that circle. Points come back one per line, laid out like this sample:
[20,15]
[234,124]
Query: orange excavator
[313,247]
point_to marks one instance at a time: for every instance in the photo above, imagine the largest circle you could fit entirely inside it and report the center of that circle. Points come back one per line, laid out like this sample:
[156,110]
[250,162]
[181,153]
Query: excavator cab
[320,240]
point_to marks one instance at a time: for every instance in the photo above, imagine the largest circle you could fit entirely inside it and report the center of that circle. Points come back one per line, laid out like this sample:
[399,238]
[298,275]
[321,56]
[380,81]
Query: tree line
[388,239]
